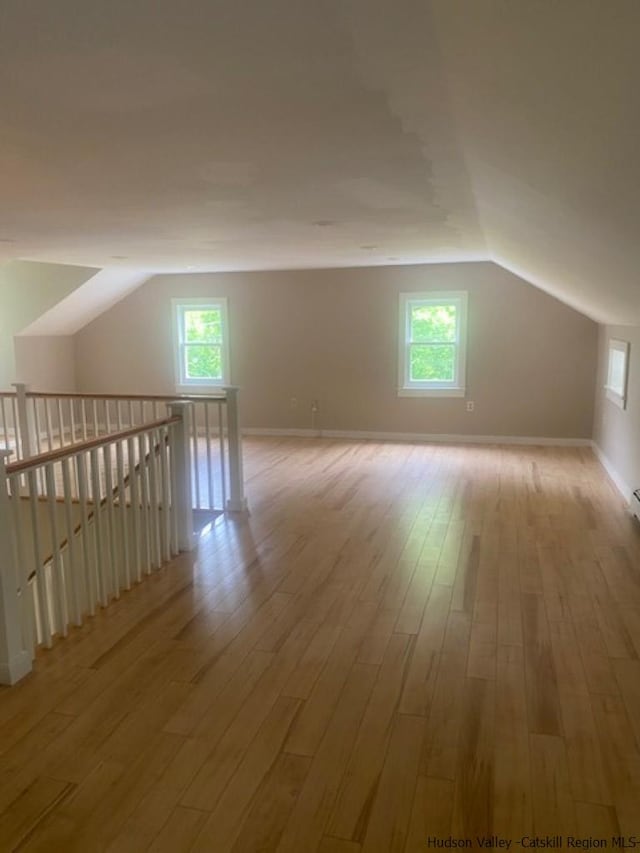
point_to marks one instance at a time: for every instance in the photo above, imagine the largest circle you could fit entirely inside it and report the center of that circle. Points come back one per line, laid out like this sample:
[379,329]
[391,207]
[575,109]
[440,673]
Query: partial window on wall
[617,369]
[432,344]
[201,343]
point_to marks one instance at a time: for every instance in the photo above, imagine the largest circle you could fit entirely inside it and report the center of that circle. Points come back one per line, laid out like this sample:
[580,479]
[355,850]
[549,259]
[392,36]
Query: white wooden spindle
[89,583]
[72,420]
[125,567]
[39,580]
[48,422]
[144,503]
[84,418]
[5,429]
[165,516]
[16,428]
[61,429]
[207,433]
[111,554]
[223,458]
[72,557]
[99,534]
[194,455]
[94,414]
[136,532]
[37,421]
[154,520]
[22,423]
[57,578]
[173,494]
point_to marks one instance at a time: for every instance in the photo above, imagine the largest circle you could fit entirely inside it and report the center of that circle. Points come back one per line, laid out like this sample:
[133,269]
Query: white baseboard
[618,481]
[441,438]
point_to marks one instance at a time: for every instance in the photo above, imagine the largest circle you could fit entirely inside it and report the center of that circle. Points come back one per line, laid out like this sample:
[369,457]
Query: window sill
[200,389]
[431,392]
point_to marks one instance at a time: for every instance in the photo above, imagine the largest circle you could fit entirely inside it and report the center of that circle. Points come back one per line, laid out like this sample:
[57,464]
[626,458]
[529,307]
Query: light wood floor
[400,641]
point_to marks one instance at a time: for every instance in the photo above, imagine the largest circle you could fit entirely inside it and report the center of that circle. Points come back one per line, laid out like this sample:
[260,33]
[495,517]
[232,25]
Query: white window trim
[409,388]
[617,394]
[199,386]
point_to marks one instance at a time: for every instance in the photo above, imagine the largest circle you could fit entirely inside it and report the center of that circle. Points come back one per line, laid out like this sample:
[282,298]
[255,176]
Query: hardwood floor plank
[431,812]
[31,808]
[225,821]
[511,759]
[179,832]
[387,826]
[310,725]
[553,807]
[442,739]
[586,772]
[473,809]
[542,685]
[363,772]
[272,804]
[597,821]
[421,677]
[306,825]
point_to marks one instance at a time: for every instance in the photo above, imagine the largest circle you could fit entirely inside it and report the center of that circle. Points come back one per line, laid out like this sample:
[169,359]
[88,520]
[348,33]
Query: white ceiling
[219,135]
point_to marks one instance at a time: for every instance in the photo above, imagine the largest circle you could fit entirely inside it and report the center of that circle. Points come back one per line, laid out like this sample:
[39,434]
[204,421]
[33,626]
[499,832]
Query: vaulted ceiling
[220,135]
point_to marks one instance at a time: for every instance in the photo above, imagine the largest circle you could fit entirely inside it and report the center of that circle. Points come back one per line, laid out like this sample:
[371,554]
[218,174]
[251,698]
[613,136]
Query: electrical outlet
[293,402]
[470,405]
[314,406]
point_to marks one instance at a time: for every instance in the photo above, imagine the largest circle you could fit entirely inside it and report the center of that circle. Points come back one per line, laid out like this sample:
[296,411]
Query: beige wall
[27,290]
[46,363]
[616,431]
[331,335]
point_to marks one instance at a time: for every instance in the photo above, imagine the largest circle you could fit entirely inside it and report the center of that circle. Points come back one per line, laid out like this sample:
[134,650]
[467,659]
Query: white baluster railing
[34,423]
[113,509]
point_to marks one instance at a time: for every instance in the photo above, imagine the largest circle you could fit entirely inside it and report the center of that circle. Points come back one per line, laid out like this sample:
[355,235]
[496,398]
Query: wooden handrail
[90,444]
[152,398]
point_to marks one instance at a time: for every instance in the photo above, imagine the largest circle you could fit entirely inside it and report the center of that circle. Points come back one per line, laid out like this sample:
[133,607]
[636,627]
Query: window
[432,343]
[201,343]
[617,369]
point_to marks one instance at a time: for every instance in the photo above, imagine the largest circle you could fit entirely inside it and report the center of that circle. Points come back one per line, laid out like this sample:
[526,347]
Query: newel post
[237,501]
[24,429]
[181,460]
[15,660]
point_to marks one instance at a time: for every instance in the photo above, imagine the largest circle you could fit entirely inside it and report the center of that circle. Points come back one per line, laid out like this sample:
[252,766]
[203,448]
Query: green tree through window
[433,337]
[203,344]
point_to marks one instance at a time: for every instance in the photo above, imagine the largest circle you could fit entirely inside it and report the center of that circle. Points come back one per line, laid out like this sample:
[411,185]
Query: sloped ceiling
[86,302]
[547,98]
[225,135]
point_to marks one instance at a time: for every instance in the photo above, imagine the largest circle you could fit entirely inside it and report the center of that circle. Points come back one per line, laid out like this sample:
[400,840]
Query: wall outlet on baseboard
[293,402]
[314,406]
[470,405]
